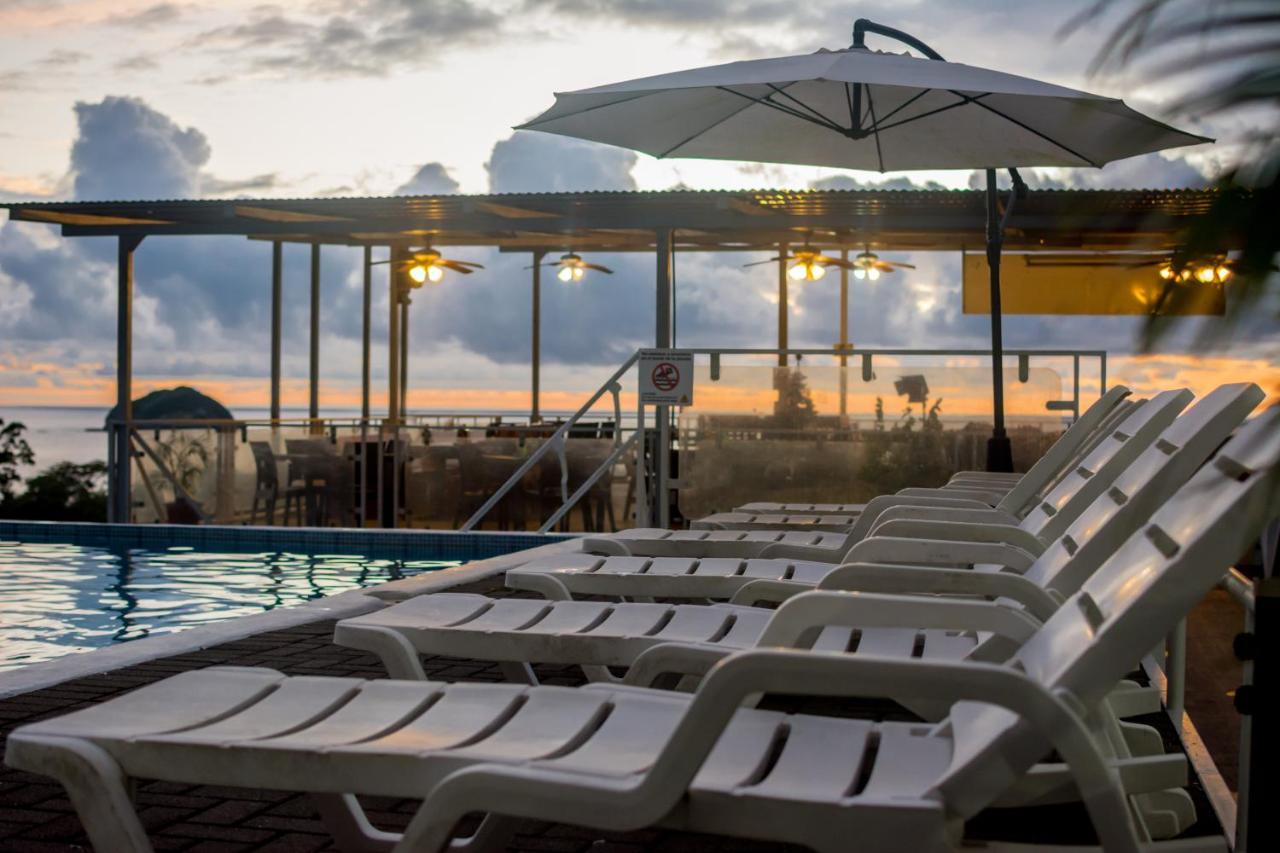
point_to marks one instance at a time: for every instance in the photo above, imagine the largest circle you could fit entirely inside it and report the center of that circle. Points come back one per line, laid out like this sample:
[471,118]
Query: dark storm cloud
[430,179]
[354,38]
[126,150]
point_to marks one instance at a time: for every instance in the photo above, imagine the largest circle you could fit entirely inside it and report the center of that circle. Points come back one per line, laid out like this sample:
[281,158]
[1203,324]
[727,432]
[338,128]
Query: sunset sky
[126,99]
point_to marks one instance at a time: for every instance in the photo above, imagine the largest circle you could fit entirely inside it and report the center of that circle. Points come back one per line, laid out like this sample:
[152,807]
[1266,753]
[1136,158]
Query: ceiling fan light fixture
[418,273]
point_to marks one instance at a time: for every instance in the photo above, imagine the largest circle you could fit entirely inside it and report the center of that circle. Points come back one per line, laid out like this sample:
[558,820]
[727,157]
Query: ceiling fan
[810,264]
[868,265]
[573,267]
[428,265]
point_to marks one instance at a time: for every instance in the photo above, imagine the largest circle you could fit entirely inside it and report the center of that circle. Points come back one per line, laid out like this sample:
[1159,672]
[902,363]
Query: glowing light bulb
[578,273]
[859,273]
[1166,272]
[435,273]
[418,273]
[1204,275]
[797,272]
[816,271]
[1224,273]
[873,274]
[565,274]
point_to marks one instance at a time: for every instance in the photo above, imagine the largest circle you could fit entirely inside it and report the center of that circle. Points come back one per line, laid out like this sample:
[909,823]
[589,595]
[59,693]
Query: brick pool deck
[35,815]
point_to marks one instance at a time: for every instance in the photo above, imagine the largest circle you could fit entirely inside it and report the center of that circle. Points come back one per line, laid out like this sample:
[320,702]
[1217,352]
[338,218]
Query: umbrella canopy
[862,109]
[859,109]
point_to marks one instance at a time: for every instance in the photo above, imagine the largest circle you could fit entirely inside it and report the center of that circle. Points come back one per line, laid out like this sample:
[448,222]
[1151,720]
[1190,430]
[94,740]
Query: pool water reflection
[56,599]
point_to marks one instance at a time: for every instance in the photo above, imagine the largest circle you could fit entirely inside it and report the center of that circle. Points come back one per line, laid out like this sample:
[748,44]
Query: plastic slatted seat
[622,758]
[1110,518]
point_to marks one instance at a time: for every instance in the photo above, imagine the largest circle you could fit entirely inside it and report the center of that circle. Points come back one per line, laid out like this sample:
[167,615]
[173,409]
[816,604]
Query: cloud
[152,16]
[1148,171]
[846,182]
[353,38]
[62,58]
[541,162]
[430,179]
[266,182]
[137,62]
[127,150]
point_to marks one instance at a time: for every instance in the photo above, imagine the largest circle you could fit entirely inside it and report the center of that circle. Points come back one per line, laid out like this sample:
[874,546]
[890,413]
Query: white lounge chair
[600,634]
[1074,443]
[621,758]
[715,564]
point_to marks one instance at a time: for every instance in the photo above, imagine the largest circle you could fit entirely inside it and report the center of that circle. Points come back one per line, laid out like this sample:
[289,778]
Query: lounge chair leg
[342,815]
[493,833]
[518,672]
[94,783]
[397,654]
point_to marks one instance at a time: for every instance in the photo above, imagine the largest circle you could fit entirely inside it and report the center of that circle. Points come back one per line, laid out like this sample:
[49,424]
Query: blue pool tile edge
[384,544]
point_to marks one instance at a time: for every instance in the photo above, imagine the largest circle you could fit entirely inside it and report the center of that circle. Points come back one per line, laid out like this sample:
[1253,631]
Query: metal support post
[313,407]
[120,482]
[277,309]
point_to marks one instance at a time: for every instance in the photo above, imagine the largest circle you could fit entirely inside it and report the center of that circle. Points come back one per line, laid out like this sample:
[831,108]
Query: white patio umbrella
[862,109]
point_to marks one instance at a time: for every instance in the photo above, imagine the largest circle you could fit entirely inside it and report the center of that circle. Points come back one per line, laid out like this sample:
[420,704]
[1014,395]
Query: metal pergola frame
[539,223]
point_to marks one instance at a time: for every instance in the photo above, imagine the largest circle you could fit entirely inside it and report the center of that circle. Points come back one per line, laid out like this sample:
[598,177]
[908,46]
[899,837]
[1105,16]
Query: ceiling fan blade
[471,264]
[758,263]
[455,266]
[605,270]
[900,265]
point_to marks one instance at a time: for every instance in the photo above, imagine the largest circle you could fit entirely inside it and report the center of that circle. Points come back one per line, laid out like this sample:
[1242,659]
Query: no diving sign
[666,377]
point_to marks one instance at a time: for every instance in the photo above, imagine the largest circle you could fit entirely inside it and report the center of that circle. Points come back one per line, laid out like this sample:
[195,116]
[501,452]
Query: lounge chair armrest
[877,506]
[928,580]
[673,659]
[938,552]
[630,802]
[990,498]
[799,615]
[768,591]
[959,531]
[946,513]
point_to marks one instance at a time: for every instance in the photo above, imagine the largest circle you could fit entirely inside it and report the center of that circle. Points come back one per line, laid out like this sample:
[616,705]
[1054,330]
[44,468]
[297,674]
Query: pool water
[56,599]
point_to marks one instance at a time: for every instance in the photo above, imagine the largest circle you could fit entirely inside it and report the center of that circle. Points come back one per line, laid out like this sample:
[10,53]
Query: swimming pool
[101,585]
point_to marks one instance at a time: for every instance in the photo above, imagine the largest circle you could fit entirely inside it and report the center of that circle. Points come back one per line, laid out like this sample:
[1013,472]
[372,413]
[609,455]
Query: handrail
[610,385]
[572,501]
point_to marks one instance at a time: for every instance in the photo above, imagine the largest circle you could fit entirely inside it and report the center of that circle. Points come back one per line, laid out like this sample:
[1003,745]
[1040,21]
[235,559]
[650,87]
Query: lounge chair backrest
[1050,518]
[1138,595]
[1063,450]
[1143,487]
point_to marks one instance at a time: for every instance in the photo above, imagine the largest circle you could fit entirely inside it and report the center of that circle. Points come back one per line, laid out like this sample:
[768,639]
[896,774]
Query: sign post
[666,379]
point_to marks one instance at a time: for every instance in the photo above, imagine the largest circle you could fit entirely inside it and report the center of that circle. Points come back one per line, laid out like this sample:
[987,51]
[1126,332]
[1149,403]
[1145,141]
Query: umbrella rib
[537,121]
[703,130]
[875,131]
[766,102]
[908,102]
[816,113]
[965,99]
[1043,136]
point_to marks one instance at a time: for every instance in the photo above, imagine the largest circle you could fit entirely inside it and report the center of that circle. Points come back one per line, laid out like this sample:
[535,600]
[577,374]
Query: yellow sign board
[1105,284]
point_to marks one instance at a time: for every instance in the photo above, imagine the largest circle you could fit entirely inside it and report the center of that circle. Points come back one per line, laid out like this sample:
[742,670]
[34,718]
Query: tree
[63,492]
[1225,57]
[794,408]
[14,451]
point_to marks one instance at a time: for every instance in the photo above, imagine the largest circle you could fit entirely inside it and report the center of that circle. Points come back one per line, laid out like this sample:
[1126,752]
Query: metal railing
[651,477]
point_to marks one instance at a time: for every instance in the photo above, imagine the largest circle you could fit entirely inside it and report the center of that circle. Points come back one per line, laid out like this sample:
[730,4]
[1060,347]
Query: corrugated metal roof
[711,219]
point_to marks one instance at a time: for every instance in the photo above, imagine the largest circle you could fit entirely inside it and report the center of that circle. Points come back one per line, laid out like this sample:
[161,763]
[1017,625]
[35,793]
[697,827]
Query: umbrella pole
[999,449]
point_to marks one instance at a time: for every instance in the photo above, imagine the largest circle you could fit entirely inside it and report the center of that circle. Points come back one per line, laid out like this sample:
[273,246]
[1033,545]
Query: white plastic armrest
[989,498]
[960,531]
[946,513]
[673,659]
[877,506]
[768,591]
[816,609]
[938,552]
[628,802]
[928,580]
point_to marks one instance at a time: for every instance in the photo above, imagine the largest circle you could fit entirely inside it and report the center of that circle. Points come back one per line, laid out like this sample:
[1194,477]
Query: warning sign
[666,377]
